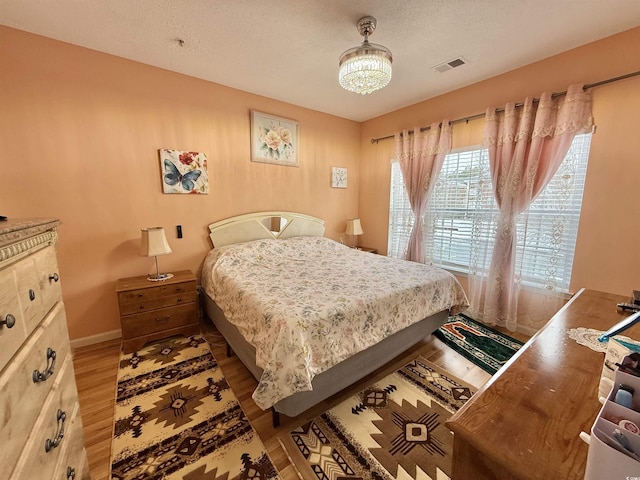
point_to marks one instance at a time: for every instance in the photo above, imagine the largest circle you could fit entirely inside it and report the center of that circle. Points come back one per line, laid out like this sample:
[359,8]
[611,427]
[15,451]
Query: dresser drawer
[48,277]
[29,293]
[57,414]
[73,459]
[155,303]
[22,398]
[143,295]
[10,311]
[159,320]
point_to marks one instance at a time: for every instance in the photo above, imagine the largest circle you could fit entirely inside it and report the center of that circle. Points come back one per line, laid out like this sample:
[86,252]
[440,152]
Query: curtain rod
[553,95]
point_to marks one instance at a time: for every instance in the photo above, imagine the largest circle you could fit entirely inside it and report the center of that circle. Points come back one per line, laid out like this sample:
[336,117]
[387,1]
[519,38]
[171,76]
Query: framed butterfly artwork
[183,171]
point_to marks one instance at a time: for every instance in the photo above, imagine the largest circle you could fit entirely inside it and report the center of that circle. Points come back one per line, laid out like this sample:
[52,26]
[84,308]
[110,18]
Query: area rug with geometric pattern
[394,429]
[176,418]
[485,347]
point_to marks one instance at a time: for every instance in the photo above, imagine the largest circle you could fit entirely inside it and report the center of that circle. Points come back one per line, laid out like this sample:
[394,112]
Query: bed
[309,316]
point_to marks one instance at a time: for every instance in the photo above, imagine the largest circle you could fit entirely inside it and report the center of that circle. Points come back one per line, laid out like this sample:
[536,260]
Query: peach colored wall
[79,134]
[607,255]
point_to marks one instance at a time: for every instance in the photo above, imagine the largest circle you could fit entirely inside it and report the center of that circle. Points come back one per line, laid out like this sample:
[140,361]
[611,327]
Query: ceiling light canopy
[366,68]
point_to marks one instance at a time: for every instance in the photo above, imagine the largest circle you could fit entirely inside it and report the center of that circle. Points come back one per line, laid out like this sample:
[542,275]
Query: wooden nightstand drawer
[145,294]
[154,310]
[158,320]
[153,303]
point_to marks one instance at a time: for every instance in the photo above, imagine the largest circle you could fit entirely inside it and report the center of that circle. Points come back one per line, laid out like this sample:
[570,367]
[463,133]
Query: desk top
[528,416]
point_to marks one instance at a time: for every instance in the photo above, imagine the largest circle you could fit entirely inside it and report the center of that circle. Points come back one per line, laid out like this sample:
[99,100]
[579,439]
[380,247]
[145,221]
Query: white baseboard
[93,339]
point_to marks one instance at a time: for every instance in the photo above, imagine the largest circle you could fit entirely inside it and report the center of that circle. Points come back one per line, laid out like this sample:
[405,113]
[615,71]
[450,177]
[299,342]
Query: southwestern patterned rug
[177,418]
[487,348]
[392,429]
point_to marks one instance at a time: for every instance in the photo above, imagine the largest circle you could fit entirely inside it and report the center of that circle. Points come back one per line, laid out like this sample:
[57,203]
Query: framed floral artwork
[183,171]
[274,139]
[338,177]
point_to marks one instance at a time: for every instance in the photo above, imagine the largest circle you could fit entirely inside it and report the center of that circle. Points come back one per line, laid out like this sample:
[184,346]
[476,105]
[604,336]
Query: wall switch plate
[179,230]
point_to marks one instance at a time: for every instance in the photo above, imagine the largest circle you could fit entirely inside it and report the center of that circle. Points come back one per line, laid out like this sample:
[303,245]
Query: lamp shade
[153,242]
[354,227]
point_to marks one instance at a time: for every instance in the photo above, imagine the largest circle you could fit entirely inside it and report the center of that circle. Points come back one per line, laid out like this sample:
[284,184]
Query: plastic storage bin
[604,460]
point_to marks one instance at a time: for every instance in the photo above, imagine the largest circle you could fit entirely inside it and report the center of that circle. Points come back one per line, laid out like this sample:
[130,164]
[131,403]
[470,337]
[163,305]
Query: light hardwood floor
[96,367]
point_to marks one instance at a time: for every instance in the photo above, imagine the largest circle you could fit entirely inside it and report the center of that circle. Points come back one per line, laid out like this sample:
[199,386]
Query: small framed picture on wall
[338,177]
[274,139]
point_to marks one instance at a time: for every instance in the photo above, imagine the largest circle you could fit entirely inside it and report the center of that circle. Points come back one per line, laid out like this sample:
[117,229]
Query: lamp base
[160,277]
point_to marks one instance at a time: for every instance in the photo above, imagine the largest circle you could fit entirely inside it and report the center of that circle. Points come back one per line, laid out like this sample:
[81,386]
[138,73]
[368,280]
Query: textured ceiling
[289,49]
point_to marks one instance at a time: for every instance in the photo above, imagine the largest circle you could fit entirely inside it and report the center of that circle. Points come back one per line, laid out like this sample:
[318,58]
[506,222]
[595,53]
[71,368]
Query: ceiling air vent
[456,62]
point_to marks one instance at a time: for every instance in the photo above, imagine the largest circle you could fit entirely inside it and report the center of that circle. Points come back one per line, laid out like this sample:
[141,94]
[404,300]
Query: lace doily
[589,338]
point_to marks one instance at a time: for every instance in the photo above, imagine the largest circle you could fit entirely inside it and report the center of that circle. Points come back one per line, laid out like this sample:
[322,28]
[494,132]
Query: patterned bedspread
[307,303]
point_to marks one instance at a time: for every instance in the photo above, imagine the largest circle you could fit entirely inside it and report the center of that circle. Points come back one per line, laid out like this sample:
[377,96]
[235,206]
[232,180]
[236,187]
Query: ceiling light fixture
[366,68]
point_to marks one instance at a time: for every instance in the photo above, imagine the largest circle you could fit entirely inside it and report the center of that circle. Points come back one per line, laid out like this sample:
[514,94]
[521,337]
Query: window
[460,223]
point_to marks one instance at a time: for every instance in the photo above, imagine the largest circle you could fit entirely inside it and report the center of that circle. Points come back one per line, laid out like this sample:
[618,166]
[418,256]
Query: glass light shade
[365,69]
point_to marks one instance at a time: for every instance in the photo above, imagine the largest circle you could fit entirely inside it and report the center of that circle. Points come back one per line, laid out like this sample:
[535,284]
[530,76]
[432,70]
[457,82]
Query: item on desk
[628,307]
[628,369]
[624,442]
[618,349]
[629,426]
[624,396]
[615,443]
[620,327]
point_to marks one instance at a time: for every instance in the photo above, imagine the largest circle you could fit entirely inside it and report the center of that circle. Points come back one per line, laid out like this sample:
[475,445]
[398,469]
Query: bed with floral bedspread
[308,303]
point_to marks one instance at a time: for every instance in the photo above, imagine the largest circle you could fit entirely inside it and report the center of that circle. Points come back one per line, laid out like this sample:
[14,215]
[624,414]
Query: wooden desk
[525,422]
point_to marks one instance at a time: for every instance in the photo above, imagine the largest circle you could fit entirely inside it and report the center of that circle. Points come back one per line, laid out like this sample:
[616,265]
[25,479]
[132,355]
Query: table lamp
[354,228]
[153,243]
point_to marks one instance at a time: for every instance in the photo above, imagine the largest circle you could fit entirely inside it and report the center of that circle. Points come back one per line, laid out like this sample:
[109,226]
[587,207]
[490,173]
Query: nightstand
[153,310]
[367,249]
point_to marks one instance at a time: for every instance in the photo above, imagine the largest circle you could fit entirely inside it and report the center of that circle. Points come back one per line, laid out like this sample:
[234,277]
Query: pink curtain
[421,156]
[526,146]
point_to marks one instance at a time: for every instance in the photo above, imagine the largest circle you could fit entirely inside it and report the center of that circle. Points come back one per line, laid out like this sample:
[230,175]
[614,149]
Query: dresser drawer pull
[49,444]
[54,277]
[9,321]
[32,295]
[163,319]
[51,363]
[71,473]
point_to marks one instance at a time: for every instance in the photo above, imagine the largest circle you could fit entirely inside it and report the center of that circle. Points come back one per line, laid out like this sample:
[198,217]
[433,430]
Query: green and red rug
[177,418]
[487,348]
[390,430]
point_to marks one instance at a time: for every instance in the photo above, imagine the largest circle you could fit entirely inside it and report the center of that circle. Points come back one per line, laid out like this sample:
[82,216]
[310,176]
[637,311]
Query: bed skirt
[337,377]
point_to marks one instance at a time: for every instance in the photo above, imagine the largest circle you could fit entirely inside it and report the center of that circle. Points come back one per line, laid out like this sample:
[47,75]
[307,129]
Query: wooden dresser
[154,310]
[40,423]
[526,421]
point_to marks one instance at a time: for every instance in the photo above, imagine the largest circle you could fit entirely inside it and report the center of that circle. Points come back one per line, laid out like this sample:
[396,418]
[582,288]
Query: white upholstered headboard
[264,225]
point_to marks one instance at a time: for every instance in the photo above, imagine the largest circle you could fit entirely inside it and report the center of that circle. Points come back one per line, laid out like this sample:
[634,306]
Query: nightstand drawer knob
[9,321]
[141,307]
[50,444]
[54,277]
[51,364]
